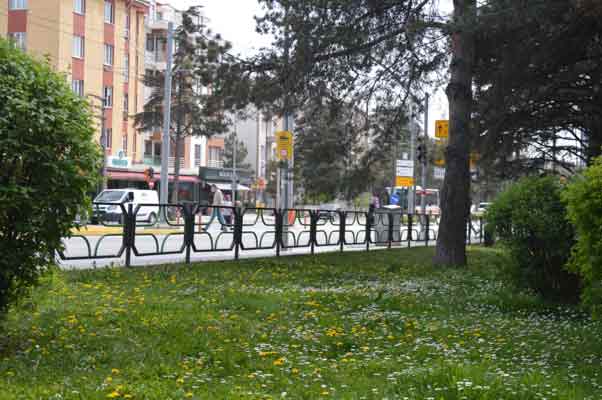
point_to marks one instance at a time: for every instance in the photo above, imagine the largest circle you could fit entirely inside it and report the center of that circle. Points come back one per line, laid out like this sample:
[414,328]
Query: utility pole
[413,134]
[103,140]
[424,156]
[234,174]
[164,198]
[286,181]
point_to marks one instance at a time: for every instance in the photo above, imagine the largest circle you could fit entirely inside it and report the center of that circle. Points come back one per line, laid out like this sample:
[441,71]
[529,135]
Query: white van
[104,212]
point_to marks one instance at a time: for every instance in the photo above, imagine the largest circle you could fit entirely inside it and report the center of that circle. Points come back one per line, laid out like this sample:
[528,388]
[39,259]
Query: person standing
[218,201]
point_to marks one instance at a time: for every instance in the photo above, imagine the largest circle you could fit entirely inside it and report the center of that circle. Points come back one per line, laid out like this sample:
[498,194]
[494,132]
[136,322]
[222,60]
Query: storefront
[222,178]
[189,185]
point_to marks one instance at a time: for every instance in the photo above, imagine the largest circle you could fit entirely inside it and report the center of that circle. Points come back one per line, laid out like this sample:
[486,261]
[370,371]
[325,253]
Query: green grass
[378,325]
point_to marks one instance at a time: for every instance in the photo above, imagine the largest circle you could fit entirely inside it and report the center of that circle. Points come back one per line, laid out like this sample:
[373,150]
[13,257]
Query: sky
[233,19]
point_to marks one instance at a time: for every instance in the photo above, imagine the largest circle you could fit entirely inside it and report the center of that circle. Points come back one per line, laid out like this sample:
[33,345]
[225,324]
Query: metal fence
[190,230]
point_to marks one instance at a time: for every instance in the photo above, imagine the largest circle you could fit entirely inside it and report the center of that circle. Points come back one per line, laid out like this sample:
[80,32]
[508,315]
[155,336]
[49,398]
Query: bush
[47,165]
[583,198]
[529,219]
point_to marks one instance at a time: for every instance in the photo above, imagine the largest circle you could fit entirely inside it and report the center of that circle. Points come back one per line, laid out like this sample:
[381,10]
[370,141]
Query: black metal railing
[147,230]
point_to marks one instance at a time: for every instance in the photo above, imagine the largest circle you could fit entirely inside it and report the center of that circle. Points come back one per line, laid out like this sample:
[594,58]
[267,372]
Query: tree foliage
[539,77]
[203,81]
[241,152]
[48,166]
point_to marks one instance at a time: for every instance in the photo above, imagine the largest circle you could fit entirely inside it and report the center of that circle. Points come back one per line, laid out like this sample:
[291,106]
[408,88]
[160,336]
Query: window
[148,148]
[159,16]
[126,108]
[78,46]
[108,97]
[197,155]
[215,154]
[108,138]
[127,26]
[19,40]
[150,43]
[108,55]
[109,15]
[124,144]
[126,68]
[78,87]
[17,5]
[79,6]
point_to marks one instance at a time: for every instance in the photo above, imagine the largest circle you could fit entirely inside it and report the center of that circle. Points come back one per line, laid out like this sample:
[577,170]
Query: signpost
[284,145]
[404,181]
[442,128]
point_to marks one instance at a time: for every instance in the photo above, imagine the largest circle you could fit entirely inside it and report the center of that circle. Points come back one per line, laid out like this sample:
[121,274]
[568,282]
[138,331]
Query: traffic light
[149,174]
[421,155]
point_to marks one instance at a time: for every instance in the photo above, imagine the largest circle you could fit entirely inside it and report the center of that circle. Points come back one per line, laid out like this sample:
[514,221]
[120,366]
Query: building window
[148,148]
[19,40]
[78,87]
[108,97]
[108,55]
[108,137]
[215,157]
[150,43]
[17,5]
[124,144]
[127,26]
[126,106]
[159,16]
[126,68]
[109,14]
[78,46]
[197,155]
[79,6]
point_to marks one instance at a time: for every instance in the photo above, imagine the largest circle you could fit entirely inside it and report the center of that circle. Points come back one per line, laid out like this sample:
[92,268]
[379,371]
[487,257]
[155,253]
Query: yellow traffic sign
[284,145]
[442,128]
[404,181]
[440,162]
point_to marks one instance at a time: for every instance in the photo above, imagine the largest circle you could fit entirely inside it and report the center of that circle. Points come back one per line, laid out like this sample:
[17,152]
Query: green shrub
[583,198]
[529,219]
[48,162]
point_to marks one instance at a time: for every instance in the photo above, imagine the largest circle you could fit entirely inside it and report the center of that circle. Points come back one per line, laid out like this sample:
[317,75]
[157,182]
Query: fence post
[313,227]
[369,216]
[480,230]
[469,230]
[129,232]
[188,229]
[238,221]
[390,228]
[427,226]
[278,221]
[410,216]
[342,226]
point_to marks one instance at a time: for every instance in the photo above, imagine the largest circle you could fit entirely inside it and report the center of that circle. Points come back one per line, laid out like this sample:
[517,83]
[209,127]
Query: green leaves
[48,165]
[583,198]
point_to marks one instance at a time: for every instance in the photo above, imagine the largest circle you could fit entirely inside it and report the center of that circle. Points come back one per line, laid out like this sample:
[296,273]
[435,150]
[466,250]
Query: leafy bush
[583,198]
[47,162]
[529,218]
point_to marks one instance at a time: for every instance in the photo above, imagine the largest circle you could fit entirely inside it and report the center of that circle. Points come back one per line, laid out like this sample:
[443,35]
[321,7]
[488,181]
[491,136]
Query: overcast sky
[233,19]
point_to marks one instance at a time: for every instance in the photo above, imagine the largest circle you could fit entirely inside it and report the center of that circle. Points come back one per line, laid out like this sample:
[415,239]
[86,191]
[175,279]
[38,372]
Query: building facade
[99,45]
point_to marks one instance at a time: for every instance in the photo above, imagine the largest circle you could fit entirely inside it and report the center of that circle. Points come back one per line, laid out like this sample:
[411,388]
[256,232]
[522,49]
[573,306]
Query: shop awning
[228,187]
[139,176]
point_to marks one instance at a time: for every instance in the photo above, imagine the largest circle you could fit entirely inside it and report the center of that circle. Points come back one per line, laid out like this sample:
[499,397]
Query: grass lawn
[378,325]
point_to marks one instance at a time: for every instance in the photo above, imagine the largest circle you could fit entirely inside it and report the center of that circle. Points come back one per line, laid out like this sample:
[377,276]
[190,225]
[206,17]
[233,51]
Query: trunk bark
[594,140]
[455,194]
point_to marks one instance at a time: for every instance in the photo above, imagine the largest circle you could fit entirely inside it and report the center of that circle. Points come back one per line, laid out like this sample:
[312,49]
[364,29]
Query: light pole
[234,175]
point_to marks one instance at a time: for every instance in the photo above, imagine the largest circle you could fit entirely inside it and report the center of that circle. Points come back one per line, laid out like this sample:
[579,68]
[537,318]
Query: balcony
[155,161]
[215,164]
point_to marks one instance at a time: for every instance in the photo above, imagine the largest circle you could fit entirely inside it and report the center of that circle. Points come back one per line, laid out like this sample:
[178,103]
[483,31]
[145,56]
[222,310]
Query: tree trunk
[594,140]
[455,194]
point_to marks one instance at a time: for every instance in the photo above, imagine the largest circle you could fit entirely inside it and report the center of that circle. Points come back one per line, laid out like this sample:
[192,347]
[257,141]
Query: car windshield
[484,205]
[110,196]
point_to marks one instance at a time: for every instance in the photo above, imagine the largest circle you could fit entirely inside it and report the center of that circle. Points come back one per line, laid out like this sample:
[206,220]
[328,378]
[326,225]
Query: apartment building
[99,44]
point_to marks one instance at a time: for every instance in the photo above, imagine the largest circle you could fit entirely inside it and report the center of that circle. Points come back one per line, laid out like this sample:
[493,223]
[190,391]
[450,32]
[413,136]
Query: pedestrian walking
[218,202]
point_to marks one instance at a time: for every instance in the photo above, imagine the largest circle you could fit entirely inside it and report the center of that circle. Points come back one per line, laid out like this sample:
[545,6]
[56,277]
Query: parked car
[107,205]
[328,211]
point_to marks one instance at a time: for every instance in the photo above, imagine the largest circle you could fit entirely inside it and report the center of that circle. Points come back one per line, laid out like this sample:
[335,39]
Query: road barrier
[187,232]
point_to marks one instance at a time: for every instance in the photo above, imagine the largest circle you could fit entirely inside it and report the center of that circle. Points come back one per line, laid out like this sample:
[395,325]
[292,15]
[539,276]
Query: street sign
[439,173]
[442,128]
[404,168]
[284,145]
[404,181]
[440,162]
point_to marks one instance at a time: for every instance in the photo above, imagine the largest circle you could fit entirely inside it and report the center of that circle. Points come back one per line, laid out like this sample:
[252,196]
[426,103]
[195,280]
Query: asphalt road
[211,245]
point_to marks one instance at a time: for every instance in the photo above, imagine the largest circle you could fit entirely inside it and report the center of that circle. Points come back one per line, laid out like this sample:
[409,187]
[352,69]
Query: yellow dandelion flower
[180,381]
[325,393]
[295,371]
[279,361]
[115,371]
[189,394]
[113,394]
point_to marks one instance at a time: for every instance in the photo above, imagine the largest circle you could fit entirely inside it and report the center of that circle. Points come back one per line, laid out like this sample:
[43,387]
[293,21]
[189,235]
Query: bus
[400,197]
